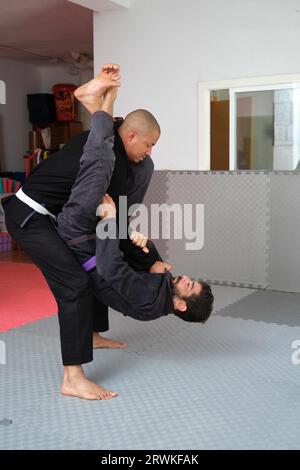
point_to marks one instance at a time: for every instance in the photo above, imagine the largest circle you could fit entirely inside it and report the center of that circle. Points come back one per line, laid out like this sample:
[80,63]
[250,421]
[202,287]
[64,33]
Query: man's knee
[72,287]
[81,283]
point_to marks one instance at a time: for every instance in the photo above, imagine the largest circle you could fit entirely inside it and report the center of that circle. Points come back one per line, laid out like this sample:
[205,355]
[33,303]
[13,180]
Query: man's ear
[131,136]
[179,304]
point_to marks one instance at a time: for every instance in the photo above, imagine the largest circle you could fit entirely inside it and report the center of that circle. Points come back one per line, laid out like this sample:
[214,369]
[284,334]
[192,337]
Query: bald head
[139,133]
[141,121]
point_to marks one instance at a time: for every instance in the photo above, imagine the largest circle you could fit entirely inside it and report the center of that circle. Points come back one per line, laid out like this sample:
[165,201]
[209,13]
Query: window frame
[241,84]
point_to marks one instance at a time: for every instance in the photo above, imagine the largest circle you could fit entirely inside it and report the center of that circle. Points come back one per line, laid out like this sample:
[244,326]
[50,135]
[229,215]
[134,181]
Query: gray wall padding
[284,271]
[235,221]
[157,194]
[252,226]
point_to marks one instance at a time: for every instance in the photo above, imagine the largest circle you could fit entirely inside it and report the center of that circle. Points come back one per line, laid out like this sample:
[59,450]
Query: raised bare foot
[76,384]
[99,342]
[90,94]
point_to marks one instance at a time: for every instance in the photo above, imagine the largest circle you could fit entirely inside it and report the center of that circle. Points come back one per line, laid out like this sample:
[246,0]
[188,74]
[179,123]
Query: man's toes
[101,395]
[109,394]
[105,396]
[113,67]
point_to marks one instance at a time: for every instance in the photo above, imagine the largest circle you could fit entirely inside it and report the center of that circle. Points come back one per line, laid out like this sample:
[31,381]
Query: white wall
[165,47]
[21,79]
[60,73]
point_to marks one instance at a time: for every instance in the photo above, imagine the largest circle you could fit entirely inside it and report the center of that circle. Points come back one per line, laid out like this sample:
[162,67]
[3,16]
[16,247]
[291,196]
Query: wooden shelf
[61,132]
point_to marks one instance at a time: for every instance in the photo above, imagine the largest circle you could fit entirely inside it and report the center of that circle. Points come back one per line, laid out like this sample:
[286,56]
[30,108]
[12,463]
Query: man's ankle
[73,371]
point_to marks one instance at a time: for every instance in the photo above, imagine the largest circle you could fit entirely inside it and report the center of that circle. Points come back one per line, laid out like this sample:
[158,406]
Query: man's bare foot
[76,384]
[90,94]
[99,342]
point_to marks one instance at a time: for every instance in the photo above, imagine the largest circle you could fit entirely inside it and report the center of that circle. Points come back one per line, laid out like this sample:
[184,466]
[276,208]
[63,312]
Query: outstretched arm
[78,216]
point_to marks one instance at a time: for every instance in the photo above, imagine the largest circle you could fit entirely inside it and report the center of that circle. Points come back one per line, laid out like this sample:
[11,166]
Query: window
[247,127]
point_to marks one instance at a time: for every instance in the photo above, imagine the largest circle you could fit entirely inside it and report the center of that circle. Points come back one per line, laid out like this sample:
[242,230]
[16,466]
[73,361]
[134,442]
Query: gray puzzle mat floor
[272,307]
[228,384]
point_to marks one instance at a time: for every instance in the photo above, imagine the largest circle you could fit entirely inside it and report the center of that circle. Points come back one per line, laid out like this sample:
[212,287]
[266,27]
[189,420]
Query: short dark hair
[141,119]
[199,306]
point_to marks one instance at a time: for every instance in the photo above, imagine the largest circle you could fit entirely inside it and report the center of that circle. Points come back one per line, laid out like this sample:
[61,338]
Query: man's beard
[175,281]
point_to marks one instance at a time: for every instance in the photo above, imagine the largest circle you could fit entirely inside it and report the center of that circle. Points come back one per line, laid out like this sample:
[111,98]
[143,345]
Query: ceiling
[38,30]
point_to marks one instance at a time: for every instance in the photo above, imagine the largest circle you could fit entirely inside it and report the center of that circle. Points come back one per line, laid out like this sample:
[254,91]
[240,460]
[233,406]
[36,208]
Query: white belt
[33,204]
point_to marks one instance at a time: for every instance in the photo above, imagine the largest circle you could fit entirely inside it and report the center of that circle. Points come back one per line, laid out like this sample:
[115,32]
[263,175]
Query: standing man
[144,296]
[31,215]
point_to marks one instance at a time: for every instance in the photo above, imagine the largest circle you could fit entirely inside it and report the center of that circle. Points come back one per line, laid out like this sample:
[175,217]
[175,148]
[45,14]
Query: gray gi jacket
[143,296]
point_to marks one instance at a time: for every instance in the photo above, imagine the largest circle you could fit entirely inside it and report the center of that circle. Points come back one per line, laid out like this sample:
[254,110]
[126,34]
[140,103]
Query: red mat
[25,296]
